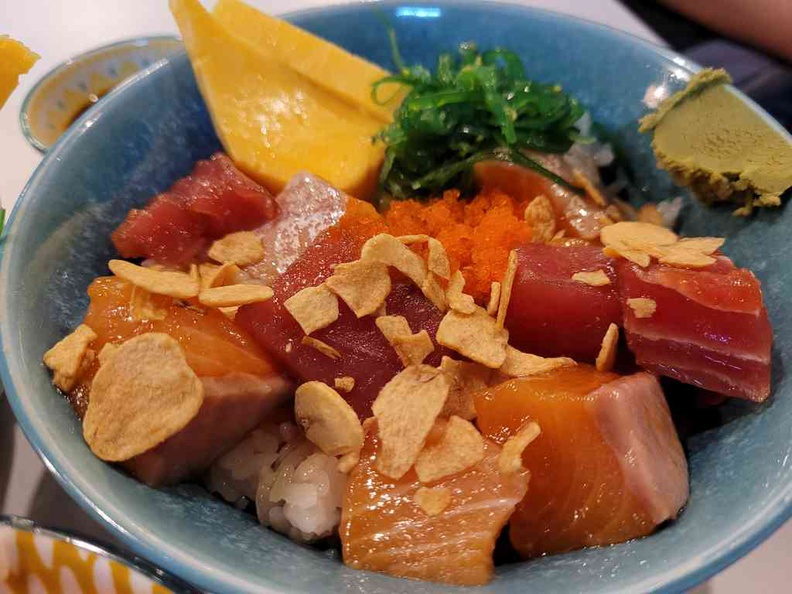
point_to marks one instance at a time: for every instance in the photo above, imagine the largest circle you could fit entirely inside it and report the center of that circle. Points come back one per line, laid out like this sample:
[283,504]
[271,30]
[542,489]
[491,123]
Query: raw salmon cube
[383,529]
[607,467]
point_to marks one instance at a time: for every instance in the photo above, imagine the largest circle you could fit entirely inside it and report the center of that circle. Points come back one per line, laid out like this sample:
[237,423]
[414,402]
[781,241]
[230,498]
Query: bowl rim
[105,550]
[24,109]
[698,568]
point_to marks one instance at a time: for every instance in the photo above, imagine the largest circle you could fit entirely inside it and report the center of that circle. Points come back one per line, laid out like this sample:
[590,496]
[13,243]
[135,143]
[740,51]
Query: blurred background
[752,39]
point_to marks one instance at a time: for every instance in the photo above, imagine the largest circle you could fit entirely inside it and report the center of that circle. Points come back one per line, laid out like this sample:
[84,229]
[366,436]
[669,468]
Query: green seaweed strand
[474,107]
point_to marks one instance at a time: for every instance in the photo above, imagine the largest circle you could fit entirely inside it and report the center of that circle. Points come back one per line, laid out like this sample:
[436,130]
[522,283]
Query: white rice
[296,488]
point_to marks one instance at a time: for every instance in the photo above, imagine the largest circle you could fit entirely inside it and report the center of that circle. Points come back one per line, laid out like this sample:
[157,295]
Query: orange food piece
[15,60]
[579,216]
[360,222]
[212,344]
[477,234]
[383,527]
[607,466]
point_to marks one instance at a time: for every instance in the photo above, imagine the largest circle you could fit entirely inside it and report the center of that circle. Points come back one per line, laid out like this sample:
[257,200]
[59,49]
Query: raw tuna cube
[552,315]
[214,200]
[234,405]
[710,327]
[607,467]
[165,230]
[365,354]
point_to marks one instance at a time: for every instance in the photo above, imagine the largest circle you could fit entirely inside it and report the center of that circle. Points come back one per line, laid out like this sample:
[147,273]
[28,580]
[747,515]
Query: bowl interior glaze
[150,131]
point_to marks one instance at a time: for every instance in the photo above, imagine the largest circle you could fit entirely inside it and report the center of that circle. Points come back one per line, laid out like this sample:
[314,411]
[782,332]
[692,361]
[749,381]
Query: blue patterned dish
[149,132]
[36,559]
[67,91]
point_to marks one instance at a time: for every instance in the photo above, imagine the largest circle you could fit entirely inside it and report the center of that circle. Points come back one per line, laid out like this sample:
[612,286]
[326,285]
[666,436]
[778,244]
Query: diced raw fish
[241,385]
[552,315]
[365,354]
[212,344]
[307,206]
[710,327]
[214,200]
[233,405]
[607,467]
[383,529]
[579,216]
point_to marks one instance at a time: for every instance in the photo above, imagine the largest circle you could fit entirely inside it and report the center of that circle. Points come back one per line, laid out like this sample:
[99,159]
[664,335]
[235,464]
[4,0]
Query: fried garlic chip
[642,307]
[406,409]
[457,300]
[437,260]
[160,282]
[460,447]
[241,248]
[229,312]
[392,326]
[540,217]
[390,251]
[465,379]
[108,350]
[411,348]
[434,292]
[635,241]
[213,275]
[147,306]
[475,336]
[363,285]
[704,245]
[329,422]
[519,364]
[322,347]
[635,256]
[67,358]
[506,288]
[596,278]
[348,461]
[607,354]
[345,383]
[141,396]
[510,458]
[494,298]
[433,500]
[313,308]
[681,258]
[591,190]
[694,252]
[234,295]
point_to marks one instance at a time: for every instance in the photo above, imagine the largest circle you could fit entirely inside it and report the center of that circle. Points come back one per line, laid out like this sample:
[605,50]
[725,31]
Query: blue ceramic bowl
[150,131]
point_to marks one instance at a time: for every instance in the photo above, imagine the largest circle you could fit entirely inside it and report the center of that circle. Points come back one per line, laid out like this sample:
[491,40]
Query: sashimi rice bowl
[421,318]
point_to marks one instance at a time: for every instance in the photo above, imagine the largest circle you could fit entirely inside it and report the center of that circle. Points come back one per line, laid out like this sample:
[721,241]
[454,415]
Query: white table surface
[57,29]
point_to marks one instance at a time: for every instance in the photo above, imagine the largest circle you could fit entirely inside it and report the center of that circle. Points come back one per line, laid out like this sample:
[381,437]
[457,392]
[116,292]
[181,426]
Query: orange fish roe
[478,234]
[360,222]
